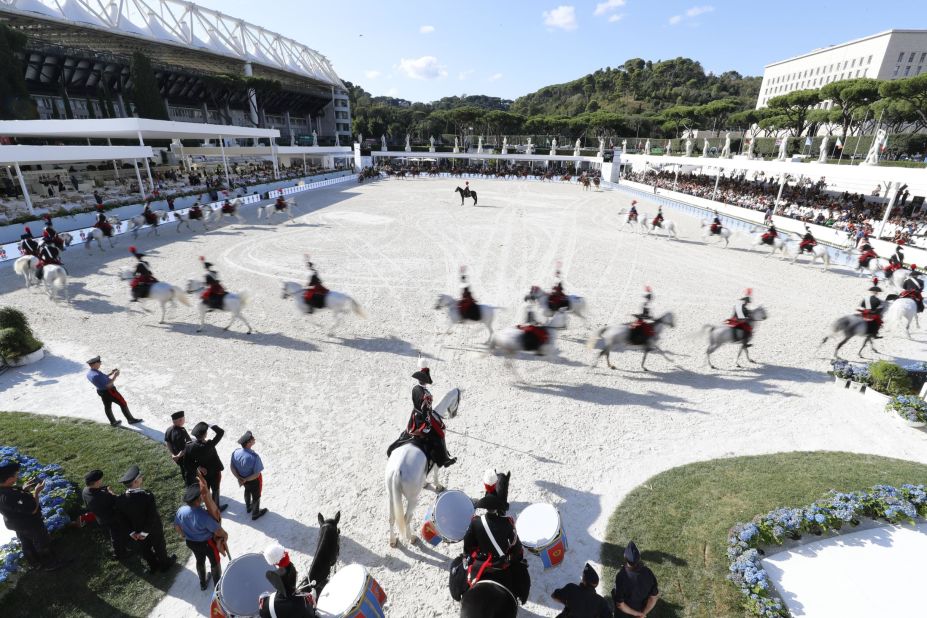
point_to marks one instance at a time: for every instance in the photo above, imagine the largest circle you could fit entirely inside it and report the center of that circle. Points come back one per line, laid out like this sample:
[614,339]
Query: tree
[850,95]
[794,108]
[912,90]
[828,119]
[716,112]
[146,94]
[679,115]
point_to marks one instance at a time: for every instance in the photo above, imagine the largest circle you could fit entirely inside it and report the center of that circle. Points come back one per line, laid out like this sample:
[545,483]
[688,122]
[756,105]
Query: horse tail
[394,491]
[244,296]
[594,339]
[355,306]
[180,295]
[20,266]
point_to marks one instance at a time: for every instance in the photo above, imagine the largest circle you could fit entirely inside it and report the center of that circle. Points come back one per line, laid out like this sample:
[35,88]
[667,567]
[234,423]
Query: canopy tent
[137,128]
[37,155]
[483,155]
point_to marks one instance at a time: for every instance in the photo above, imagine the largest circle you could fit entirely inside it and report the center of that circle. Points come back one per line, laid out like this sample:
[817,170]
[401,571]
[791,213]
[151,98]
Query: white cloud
[691,13]
[465,74]
[616,17]
[426,67]
[495,77]
[392,92]
[426,29]
[563,17]
[372,74]
[608,6]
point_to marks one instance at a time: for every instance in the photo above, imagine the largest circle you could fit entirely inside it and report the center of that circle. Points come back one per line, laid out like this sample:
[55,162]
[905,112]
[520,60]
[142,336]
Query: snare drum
[448,518]
[240,586]
[541,532]
[351,593]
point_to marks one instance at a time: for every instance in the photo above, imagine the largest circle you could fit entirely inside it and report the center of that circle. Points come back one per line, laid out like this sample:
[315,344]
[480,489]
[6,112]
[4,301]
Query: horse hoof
[439,489]
[415,541]
[393,542]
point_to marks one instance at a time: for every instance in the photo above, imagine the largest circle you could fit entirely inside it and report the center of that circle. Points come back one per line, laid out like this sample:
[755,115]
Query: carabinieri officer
[198,528]
[142,521]
[247,467]
[176,438]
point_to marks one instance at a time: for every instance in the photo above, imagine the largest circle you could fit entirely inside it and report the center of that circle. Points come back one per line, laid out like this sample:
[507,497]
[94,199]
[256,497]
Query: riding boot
[439,453]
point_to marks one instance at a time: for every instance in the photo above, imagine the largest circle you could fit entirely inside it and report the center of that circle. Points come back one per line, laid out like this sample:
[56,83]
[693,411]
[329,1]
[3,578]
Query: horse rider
[315,292]
[558,298]
[742,318]
[715,224]
[632,214]
[228,207]
[287,601]
[425,427]
[214,292]
[141,283]
[534,334]
[913,287]
[658,220]
[466,190]
[770,234]
[895,262]
[642,327]
[280,203]
[50,235]
[467,306]
[28,245]
[807,241]
[49,253]
[866,253]
[103,225]
[150,217]
[871,310]
[195,212]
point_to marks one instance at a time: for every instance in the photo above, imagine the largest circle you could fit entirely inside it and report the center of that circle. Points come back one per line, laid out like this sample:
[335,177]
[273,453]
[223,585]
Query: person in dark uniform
[140,519]
[770,234]
[807,241]
[642,327]
[740,320]
[492,540]
[658,220]
[23,515]
[141,283]
[467,305]
[176,438]
[285,602]
[315,292]
[201,453]
[50,234]
[871,308]
[866,253]
[102,224]
[28,245]
[632,214]
[280,203]
[535,335]
[247,467]
[425,428]
[196,212]
[49,253]
[558,298]
[150,217]
[581,600]
[214,291]
[635,592]
[896,260]
[105,384]
[198,528]
[715,224]
[913,287]
[101,501]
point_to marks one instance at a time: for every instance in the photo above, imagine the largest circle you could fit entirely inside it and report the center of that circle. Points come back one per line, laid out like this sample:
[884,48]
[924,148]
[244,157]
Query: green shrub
[889,378]
[16,338]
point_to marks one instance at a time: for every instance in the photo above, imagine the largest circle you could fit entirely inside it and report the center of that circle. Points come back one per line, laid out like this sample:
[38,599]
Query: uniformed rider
[195,212]
[716,224]
[770,234]
[28,245]
[896,261]
[871,309]
[913,287]
[280,203]
[425,422]
[315,292]
[50,235]
[148,214]
[558,298]
[642,328]
[214,292]
[741,318]
[49,253]
[141,283]
[658,220]
[866,253]
[807,241]
[467,306]
[103,225]
[535,335]
[632,214]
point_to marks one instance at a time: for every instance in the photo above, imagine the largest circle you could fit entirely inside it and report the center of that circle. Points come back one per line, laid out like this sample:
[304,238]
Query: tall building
[891,54]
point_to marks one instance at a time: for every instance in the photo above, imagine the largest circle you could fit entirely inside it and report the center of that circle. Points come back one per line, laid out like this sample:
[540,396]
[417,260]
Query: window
[907,70]
[853,64]
[845,63]
[911,57]
[857,72]
[900,57]
[919,69]
[895,72]
[923,56]
[869,61]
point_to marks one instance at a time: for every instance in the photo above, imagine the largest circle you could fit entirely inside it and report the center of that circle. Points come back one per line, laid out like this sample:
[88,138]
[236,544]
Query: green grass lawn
[94,584]
[679,519]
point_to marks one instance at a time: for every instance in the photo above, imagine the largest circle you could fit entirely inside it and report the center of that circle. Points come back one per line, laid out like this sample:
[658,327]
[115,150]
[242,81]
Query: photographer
[106,389]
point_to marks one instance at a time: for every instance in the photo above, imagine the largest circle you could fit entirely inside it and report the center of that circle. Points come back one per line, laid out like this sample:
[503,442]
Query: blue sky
[423,51]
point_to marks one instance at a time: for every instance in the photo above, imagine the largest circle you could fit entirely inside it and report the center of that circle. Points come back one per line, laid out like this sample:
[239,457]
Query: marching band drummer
[492,538]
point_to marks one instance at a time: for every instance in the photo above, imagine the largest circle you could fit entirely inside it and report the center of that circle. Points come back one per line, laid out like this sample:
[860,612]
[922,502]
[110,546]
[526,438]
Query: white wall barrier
[11,251]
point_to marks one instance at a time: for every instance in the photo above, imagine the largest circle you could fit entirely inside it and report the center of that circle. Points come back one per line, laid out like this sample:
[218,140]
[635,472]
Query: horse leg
[711,348]
[202,318]
[644,359]
[436,480]
[608,357]
[163,310]
[743,347]
[338,317]
[242,318]
[839,345]
[747,354]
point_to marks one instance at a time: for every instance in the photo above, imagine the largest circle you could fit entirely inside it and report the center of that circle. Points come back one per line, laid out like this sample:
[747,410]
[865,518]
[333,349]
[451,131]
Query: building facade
[892,54]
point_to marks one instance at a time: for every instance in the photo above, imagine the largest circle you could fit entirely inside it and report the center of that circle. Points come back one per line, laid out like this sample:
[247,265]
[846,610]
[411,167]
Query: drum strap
[271,602]
[492,539]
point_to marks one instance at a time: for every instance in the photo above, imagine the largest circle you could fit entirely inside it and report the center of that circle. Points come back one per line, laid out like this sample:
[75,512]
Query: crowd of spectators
[807,201]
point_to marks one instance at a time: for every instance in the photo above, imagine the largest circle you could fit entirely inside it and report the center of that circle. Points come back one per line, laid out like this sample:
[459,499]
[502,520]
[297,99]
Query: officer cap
[130,475]
[631,554]
[93,476]
[95,359]
[176,415]
[191,494]
[200,429]
[590,576]
[8,469]
[245,438]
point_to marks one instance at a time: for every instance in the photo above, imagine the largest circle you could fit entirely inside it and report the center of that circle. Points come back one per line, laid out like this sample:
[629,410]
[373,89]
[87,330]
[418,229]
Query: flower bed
[745,541]
[909,407]
[56,499]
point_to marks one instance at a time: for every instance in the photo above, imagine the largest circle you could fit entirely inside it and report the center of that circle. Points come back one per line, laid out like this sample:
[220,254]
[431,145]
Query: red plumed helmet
[202,258]
[132,249]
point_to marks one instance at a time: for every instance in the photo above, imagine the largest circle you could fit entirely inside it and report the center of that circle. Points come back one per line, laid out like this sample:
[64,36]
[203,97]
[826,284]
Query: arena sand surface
[324,407]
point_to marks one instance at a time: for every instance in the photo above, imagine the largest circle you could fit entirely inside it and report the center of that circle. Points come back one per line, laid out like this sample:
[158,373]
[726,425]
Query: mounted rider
[913,288]
[141,283]
[742,317]
[866,253]
[642,327]
[632,214]
[871,310]
[229,207]
[895,262]
[658,220]
[195,212]
[149,215]
[102,224]
[280,203]
[467,305]
[807,241]
[770,234]
[49,253]
[50,235]
[534,335]
[715,224]
[466,189]
[314,294]
[28,245]
[425,428]
[558,299]
[214,292]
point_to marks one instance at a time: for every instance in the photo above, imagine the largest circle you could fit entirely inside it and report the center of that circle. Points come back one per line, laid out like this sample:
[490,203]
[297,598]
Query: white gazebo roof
[37,155]
[128,128]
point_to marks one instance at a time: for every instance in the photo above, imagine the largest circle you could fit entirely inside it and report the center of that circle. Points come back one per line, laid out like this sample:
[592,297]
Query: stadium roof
[171,24]
[128,128]
[31,155]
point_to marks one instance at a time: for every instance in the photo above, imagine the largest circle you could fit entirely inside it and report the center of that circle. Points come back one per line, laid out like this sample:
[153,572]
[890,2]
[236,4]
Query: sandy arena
[324,407]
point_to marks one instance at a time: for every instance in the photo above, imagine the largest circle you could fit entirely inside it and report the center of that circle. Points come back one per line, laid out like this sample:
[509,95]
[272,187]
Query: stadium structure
[209,67]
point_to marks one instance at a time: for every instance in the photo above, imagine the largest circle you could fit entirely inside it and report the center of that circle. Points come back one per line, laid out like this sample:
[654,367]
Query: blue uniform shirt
[246,462]
[99,379]
[195,523]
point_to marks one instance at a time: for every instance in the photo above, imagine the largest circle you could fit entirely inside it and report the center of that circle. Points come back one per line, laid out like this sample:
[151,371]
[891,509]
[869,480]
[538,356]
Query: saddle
[658,222]
[278,206]
[742,328]
[315,297]
[641,332]
[195,214]
[715,228]
[418,441]
[228,209]
[557,301]
[466,571]
[632,216]
[106,228]
[533,337]
[151,218]
[469,310]
[767,238]
[214,300]
[916,296]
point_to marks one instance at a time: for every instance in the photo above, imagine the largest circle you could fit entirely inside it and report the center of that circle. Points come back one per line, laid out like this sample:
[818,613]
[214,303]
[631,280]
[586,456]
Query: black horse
[326,553]
[488,599]
[464,193]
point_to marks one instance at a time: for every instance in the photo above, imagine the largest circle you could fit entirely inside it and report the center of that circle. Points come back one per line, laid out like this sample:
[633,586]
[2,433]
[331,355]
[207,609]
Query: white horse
[26,266]
[850,326]
[896,278]
[449,303]
[719,335]
[233,303]
[338,303]
[902,311]
[55,278]
[183,219]
[269,210]
[232,210]
[510,341]
[557,319]
[778,243]
[138,222]
[874,268]
[160,292]
[96,234]
[637,224]
[818,252]
[668,227]
[723,234]
[406,473]
[619,337]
